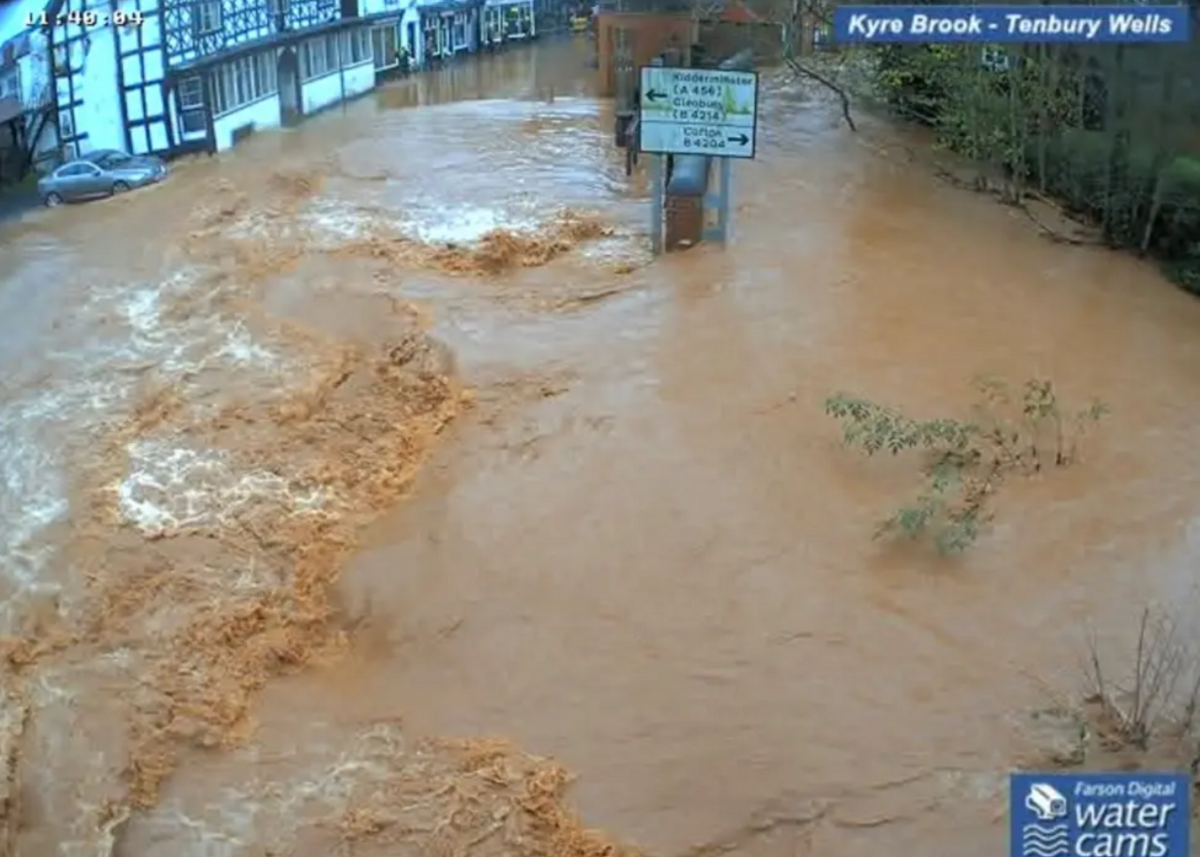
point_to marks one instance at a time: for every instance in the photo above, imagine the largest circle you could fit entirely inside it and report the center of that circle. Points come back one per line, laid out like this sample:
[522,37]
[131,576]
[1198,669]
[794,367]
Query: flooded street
[630,540]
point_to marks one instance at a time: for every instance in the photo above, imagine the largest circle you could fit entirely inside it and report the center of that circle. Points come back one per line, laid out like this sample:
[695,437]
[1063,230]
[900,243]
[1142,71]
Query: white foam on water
[33,488]
[84,389]
[171,487]
[266,809]
[335,220]
[466,225]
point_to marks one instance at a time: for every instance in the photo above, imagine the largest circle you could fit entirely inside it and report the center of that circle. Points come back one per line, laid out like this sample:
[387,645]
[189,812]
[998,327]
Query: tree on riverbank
[1112,132]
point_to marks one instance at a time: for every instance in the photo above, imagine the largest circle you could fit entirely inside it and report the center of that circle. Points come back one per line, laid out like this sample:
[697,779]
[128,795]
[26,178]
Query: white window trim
[386,59]
[320,47]
[357,41]
[185,88]
[213,26]
[459,37]
[257,73]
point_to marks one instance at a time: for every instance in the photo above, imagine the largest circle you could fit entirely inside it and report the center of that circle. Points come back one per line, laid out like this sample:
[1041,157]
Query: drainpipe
[341,43]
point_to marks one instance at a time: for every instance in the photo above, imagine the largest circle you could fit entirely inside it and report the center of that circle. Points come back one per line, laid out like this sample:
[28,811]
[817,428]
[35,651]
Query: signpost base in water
[717,204]
[658,192]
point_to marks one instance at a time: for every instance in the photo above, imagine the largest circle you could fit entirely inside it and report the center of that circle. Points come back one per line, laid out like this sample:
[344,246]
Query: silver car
[100,173]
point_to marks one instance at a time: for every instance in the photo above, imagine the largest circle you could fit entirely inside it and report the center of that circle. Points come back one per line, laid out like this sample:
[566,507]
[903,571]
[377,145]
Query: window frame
[319,48]
[333,53]
[185,88]
[357,46]
[244,81]
[458,32]
[214,11]
[268,80]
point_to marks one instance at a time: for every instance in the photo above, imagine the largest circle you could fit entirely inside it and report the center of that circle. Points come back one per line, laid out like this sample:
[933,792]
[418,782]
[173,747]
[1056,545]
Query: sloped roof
[740,12]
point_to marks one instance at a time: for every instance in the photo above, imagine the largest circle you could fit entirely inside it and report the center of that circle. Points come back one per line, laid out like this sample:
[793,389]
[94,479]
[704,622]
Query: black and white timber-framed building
[179,76]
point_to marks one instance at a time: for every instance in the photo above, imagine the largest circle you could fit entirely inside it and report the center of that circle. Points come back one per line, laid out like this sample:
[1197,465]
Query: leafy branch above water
[966,460]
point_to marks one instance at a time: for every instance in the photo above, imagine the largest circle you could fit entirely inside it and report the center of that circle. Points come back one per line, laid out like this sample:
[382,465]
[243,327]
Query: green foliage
[1111,131]
[964,461]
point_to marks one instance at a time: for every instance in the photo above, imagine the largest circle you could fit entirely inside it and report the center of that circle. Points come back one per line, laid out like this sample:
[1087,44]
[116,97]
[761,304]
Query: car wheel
[52,200]
[120,187]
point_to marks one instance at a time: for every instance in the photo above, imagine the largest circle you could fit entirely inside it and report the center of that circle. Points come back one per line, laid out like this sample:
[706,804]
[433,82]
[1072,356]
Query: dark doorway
[290,109]
[412,45]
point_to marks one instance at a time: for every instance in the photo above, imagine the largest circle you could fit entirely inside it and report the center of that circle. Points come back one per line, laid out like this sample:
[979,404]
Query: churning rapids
[629,542]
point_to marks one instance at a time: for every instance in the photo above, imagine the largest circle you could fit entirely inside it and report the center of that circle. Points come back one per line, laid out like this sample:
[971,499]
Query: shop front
[449,28]
[505,21]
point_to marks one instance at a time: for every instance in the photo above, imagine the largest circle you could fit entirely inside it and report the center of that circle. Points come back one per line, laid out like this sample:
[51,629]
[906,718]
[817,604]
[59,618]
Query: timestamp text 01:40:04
[85,18]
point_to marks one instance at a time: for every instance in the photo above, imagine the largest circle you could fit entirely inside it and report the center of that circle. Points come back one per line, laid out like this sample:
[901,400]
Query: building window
[356,46]
[243,73]
[436,37]
[318,58]
[278,7]
[191,93]
[332,60]
[520,19]
[459,31]
[384,47]
[493,23]
[267,71]
[66,127]
[242,81]
[192,121]
[208,16]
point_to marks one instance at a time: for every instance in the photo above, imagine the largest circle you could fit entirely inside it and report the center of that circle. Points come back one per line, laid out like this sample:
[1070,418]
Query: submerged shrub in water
[965,460]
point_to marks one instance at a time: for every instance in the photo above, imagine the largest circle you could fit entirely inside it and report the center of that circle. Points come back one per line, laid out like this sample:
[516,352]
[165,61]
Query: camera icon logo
[1046,802]
[1049,835]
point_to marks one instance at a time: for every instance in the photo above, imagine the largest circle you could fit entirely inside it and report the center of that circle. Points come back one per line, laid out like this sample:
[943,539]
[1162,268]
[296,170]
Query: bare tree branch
[804,71]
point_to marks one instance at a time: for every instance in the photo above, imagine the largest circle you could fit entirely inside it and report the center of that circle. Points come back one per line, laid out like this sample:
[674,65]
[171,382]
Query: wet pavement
[634,543]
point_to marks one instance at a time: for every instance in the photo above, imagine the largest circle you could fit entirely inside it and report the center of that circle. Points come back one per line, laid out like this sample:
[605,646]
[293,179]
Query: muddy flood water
[365,485]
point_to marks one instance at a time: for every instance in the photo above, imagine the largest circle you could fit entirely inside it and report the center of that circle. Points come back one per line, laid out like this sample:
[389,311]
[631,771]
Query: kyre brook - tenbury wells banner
[1013,24]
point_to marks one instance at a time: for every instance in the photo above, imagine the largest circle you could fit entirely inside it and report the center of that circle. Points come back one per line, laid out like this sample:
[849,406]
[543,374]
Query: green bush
[1012,432]
[1076,172]
[1141,191]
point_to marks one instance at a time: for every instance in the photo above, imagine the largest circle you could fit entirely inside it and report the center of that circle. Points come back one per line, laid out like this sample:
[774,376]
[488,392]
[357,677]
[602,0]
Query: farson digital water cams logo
[1099,815]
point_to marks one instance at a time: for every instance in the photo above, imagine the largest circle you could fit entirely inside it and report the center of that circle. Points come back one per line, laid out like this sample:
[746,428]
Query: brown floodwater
[642,550]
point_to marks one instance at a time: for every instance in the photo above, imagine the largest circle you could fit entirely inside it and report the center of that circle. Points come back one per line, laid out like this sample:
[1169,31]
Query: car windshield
[108,160]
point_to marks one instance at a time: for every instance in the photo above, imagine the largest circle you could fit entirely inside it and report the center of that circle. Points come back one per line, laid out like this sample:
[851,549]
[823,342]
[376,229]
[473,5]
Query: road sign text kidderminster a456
[687,111]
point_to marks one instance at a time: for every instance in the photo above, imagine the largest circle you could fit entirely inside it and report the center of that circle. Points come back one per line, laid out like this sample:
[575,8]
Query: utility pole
[793,32]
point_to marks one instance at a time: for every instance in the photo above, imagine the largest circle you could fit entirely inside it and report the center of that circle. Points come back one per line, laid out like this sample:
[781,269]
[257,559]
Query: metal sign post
[658,192]
[718,203]
[696,115]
